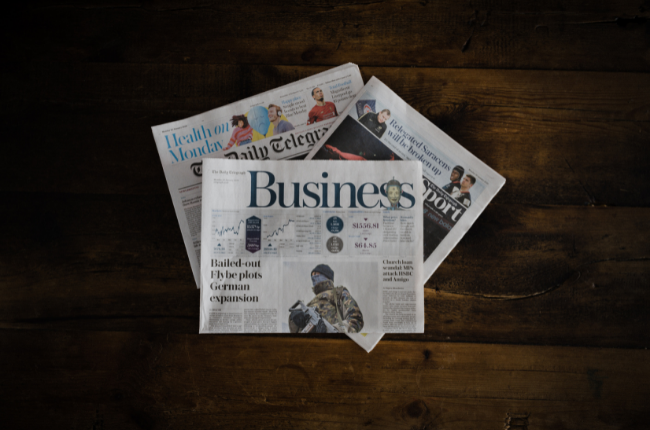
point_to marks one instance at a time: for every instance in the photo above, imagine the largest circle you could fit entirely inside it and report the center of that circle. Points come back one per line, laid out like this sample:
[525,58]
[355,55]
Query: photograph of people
[456,174]
[242,132]
[275,116]
[394,193]
[323,110]
[463,195]
[376,122]
[334,304]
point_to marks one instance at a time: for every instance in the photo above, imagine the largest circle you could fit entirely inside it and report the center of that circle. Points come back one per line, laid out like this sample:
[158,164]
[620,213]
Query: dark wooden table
[539,319]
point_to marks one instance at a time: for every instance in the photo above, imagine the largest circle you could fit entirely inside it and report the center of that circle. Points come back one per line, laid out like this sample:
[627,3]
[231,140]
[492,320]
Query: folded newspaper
[283,123]
[457,186]
[280,124]
[311,247]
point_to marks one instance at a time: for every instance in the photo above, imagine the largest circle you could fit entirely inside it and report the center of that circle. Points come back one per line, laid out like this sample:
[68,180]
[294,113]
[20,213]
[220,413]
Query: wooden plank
[134,380]
[557,137]
[609,36]
[532,275]
[194,88]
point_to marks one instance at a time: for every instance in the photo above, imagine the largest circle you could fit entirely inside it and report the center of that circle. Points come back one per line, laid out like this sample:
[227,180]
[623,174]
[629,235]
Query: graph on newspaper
[292,233]
[342,239]
[276,233]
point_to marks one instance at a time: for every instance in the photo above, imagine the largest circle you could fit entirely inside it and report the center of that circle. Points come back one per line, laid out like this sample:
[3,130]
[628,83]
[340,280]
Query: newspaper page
[283,123]
[311,247]
[457,186]
[183,170]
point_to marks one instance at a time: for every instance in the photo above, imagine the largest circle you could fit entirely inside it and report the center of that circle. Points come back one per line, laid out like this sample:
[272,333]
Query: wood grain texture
[144,381]
[522,274]
[603,35]
[98,307]
[557,137]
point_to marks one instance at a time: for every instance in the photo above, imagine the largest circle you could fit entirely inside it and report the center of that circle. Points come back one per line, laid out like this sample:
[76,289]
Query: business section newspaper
[457,186]
[311,247]
[283,123]
[306,105]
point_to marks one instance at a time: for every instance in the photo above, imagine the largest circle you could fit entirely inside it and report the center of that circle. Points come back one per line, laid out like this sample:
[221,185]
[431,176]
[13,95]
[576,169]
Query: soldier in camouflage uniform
[335,304]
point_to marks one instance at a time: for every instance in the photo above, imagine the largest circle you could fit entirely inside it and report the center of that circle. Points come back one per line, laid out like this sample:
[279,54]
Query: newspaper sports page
[311,247]
[282,123]
[457,186]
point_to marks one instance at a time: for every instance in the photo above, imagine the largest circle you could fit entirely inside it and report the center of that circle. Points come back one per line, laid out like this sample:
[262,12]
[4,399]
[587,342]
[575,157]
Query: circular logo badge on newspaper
[334,244]
[334,224]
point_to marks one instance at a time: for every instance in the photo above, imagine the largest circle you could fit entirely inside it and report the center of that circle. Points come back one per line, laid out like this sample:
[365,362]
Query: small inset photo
[337,297]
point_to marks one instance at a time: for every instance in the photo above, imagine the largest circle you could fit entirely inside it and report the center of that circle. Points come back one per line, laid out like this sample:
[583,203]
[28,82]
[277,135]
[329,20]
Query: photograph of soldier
[323,110]
[275,116]
[334,304]
[454,185]
[463,195]
[376,122]
[242,132]
[394,193]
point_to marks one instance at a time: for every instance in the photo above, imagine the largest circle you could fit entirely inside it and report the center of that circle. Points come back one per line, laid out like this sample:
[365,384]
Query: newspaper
[279,124]
[181,155]
[457,186]
[311,247]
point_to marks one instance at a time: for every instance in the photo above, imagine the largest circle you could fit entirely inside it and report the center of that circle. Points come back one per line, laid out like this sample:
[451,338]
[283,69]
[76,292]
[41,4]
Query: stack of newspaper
[342,242]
